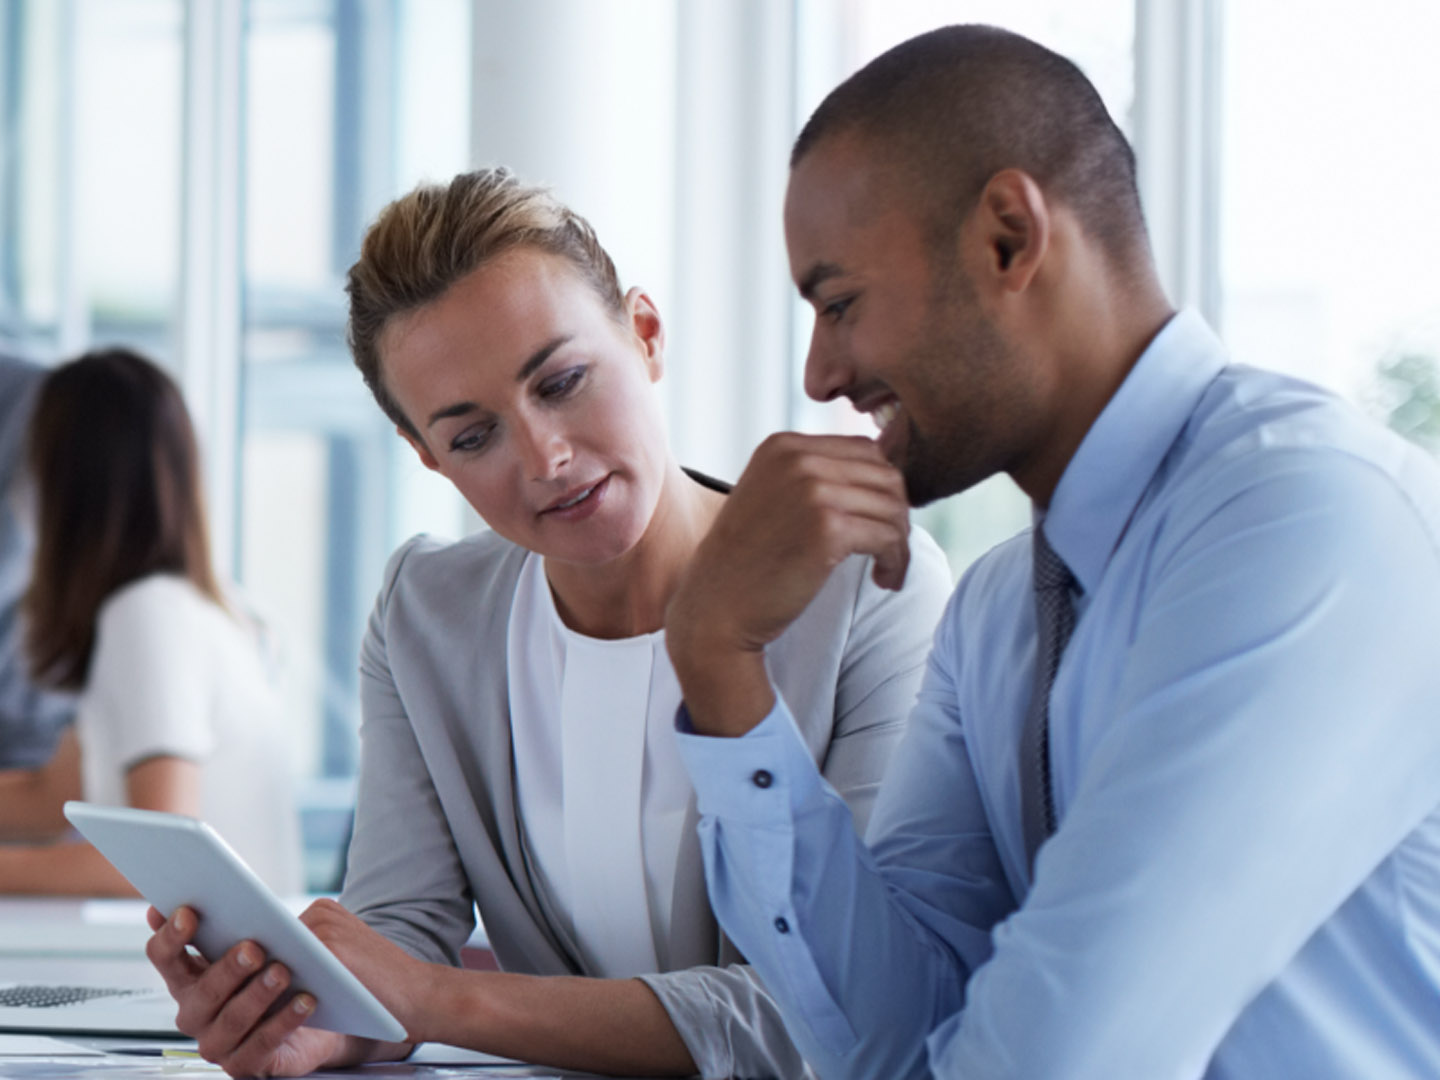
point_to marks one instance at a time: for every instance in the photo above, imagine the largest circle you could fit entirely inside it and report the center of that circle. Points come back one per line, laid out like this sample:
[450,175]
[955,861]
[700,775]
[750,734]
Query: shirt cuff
[764,777]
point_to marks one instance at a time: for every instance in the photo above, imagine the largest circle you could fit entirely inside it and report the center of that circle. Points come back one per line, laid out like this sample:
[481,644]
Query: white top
[601,788]
[174,675]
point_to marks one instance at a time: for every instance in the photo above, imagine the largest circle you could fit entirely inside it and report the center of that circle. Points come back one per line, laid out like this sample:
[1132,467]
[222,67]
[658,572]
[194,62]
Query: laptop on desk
[84,997]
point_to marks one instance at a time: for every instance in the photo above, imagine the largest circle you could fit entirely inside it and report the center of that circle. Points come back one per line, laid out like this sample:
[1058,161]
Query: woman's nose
[544,449]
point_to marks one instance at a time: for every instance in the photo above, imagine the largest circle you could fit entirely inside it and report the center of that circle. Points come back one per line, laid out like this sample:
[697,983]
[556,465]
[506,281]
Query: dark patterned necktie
[1054,621]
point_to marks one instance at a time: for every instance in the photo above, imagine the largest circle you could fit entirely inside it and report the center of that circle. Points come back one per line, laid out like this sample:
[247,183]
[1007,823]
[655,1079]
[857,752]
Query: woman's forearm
[65,869]
[590,1025]
[31,799]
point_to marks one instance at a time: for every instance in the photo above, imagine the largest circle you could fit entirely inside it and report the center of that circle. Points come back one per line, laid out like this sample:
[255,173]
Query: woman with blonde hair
[517,742]
[175,709]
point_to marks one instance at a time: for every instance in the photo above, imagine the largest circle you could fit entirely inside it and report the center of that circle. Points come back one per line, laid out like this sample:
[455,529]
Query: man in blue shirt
[30,719]
[1167,806]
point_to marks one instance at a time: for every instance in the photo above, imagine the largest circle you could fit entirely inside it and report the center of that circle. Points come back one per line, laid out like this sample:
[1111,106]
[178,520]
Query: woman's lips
[580,504]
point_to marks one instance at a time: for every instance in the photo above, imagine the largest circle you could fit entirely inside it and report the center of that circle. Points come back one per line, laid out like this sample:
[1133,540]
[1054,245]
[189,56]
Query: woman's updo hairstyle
[426,241]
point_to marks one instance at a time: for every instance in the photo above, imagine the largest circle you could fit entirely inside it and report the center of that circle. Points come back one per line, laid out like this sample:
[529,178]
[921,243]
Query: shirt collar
[1124,447]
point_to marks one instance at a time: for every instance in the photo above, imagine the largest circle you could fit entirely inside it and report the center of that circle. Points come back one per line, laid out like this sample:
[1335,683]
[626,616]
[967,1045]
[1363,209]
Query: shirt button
[782,926]
[762,778]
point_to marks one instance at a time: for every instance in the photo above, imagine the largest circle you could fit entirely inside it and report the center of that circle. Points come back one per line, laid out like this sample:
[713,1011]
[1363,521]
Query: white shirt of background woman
[174,675]
[602,792]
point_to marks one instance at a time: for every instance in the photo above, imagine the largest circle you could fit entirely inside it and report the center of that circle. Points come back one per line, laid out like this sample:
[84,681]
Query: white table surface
[102,943]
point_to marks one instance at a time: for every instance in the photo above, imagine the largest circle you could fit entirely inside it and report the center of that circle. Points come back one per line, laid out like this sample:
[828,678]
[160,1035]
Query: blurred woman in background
[177,709]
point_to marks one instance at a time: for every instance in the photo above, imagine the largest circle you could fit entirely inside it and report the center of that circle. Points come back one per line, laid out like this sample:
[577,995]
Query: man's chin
[918,496]
[925,484]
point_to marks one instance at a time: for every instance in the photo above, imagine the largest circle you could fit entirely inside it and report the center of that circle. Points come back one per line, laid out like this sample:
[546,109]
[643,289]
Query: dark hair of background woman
[116,472]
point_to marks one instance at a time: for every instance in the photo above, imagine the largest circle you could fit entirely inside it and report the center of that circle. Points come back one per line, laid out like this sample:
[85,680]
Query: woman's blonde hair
[426,241]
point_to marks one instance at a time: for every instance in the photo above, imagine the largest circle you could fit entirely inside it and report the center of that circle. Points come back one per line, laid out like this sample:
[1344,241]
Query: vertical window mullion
[208,351]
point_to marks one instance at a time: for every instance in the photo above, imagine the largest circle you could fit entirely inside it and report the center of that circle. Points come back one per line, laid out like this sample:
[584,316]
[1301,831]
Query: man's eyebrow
[540,355]
[817,276]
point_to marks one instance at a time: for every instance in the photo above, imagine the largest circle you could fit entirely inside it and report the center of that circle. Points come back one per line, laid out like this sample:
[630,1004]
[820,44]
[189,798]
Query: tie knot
[1050,570]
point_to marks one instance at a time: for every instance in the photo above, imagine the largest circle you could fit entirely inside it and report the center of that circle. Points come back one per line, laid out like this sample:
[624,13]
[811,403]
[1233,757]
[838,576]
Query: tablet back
[175,860]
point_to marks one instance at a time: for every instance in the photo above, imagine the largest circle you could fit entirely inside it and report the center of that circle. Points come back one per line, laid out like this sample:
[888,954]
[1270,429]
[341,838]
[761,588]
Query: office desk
[102,943]
[102,1059]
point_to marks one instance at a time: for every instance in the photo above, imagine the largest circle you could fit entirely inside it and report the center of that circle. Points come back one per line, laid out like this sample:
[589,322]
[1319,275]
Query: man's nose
[826,374]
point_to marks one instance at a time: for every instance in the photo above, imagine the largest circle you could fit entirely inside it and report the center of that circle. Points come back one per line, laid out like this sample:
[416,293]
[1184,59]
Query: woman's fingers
[234,1009]
[230,1033]
[167,951]
[206,1000]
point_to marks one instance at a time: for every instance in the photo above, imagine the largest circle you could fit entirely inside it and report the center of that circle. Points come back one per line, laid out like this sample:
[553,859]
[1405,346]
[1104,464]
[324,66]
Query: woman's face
[537,404]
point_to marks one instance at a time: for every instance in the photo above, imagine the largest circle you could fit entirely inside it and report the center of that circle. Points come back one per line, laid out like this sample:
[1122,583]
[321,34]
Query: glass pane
[289,148]
[837,40]
[31,126]
[1330,207]
[90,201]
[129,71]
[347,104]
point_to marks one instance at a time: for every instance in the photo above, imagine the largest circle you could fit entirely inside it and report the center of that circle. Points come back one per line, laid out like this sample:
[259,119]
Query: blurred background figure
[177,709]
[31,719]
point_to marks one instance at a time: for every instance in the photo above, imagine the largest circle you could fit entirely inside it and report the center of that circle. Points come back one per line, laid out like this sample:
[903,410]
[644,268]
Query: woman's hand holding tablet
[265,994]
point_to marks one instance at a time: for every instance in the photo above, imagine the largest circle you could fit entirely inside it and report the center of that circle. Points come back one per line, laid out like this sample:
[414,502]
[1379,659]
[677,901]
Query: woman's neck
[628,597]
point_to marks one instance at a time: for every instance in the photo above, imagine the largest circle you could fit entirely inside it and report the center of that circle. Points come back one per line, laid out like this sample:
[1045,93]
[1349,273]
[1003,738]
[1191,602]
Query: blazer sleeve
[403,877]
[726,1017]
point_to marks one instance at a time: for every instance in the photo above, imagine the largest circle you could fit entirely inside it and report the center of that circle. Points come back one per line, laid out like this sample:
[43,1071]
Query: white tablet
[177,861]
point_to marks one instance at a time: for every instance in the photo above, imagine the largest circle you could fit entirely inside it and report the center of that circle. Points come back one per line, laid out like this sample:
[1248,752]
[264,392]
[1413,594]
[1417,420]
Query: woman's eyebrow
[540,355]
[460,408]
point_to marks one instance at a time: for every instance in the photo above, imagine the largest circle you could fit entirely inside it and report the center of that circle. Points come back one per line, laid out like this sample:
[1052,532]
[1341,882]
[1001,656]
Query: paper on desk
[107,1066]
[445,1054]
[41,1046]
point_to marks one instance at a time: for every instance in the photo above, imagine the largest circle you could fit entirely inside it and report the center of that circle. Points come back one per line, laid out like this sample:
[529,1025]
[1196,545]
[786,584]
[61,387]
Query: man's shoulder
[998,573]
[1253,425]
[1263,451]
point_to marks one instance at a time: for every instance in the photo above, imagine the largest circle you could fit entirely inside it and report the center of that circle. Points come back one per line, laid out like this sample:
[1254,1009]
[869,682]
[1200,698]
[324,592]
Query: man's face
[899,328]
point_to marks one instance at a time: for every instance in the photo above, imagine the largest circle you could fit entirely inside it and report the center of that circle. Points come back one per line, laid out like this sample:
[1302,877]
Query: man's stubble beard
[964,363]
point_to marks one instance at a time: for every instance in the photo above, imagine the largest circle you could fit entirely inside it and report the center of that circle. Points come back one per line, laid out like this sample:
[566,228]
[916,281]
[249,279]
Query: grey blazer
[436,833]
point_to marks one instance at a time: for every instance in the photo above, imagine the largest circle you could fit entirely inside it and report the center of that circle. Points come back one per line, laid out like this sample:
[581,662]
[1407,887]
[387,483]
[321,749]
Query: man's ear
[426,458]
[1012,220]
[644,319]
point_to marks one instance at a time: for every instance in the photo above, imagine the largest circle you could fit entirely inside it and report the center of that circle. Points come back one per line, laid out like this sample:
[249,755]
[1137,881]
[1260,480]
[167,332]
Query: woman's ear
[644,318]
[426,458]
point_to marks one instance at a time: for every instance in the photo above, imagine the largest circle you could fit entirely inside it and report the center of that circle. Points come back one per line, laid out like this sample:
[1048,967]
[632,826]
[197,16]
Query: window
[1329,223]
[90,119]
[345,106]
[193,179]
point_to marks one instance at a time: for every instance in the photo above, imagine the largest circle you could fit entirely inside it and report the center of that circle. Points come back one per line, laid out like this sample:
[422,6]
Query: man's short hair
[952,107]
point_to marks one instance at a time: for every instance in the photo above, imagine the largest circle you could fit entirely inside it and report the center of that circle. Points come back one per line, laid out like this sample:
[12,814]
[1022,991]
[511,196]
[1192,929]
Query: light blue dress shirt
[1245,740]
